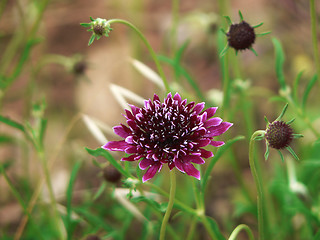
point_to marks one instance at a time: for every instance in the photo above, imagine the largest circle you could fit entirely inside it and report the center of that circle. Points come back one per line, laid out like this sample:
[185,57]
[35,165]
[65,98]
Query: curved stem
[238,229]
[314,36]
[257,181]
[170,205]
[152,53]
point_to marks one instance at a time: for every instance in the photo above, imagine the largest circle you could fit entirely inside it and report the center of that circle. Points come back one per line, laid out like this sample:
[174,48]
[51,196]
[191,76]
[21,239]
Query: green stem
[50,189]
[238,229]
[192,228]
[257,180]
[314,36]
[175,19]
[152,53]
[170,205]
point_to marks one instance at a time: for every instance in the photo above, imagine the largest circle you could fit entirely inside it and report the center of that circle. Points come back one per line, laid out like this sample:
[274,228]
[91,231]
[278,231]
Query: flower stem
[314,36]
[170,205]
[152,53]
[238,229]
[257,180]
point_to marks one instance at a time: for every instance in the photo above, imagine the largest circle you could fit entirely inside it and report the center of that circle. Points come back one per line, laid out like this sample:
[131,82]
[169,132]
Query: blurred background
[73,79]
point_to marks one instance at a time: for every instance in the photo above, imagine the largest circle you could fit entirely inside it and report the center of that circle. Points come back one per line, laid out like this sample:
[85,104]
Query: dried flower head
[99,27]
[170,132]
[279,135]
[241,36]
[111,174]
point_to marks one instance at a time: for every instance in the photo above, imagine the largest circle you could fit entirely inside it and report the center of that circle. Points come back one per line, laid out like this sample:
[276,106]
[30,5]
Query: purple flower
[172,132]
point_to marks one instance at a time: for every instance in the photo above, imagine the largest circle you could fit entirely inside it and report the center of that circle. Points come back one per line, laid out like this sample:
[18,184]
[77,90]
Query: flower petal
[151,172]
[121,131]
[218,130]
[205,153]
[203,142]
[131,158]
[216,143]
[191,170]
[193,158]
[145,163]
[177,97]
[213,122]
[211,111]
[198,108]
[116,145]
[179,165]
[131,149]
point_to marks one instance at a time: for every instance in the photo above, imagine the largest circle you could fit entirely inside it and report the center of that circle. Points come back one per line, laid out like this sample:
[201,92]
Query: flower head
[99,27]
[170,132]
[279,135]
[241,36]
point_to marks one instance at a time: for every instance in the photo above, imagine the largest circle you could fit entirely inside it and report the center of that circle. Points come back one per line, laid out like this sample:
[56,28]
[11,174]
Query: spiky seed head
[279,134]
[241,36]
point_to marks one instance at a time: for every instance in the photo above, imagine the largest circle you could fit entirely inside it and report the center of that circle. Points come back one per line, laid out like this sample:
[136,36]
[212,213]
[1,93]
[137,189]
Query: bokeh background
[70,91]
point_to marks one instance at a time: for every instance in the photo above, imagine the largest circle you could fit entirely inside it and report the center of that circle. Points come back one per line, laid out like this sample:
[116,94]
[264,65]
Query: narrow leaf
[12,123]
[104,153]
[307,91]
[293,153]
[279,62]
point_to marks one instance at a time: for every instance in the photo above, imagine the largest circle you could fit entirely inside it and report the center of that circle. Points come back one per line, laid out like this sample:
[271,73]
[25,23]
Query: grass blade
[307,91]
[279,54]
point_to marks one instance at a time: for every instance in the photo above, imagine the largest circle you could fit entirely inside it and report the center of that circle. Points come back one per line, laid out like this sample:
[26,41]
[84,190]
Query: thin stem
[175,19]
[257,181]
[152,53]
[314,36]
[50,189]
[192,228]
[170,204]
[238,229]
[37,192]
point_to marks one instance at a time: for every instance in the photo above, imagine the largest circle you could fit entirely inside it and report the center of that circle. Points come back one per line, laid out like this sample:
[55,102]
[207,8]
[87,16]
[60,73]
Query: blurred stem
[192,227]
[152,53]
[37,192]
[43,159]
[175,20]
[257,180]
[19,38]
[238,229]
[3,4]
[303,116]
[170,205]
[313,16]
[15,192]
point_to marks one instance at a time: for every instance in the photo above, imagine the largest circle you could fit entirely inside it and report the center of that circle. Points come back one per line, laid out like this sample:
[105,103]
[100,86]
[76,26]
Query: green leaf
[279,62]
[281,156]
[296,86]
[151,202]
[85,24]
[292,153]
[266,154]
[100,191]
[72,180]
[12,123]
[241,16]
[307,91]
[216,157]
[278,99]
[7,139]
[91,39]
[282,113]
[215,228]
[104,153]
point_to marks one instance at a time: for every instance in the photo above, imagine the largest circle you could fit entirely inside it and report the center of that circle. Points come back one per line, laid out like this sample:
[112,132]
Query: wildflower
[99,27]
[241,36]
[279,135]
[172,132]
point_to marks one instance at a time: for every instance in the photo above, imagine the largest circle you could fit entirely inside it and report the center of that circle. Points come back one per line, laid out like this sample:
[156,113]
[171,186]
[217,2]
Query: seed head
[279,135]
[111,174]
[241,36]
